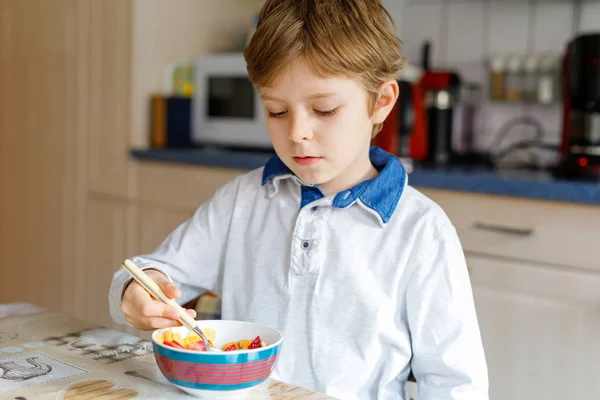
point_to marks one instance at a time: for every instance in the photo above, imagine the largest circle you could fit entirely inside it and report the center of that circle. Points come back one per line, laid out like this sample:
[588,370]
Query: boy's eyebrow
[321,95]
[311,97]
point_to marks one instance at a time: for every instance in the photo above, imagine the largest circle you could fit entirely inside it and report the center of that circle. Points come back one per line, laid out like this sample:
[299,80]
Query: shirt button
[305,244]
[313,209]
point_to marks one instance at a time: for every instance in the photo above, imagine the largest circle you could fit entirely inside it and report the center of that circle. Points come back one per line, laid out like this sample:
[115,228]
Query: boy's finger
[156,309]
[157,322]
[172,313]
[171,290]
[169,312]
[168,288]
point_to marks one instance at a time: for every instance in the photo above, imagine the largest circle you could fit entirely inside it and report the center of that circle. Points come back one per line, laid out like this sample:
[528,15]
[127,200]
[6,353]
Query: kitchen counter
[514,183]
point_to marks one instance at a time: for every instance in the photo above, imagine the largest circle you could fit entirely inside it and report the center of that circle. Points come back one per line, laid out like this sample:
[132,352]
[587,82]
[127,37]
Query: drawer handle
[504,229]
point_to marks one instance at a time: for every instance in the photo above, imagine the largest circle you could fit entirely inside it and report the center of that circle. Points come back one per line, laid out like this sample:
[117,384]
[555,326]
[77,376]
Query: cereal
[194,342]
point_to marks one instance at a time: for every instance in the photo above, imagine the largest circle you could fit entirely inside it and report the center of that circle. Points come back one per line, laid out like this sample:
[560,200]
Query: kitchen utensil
[152,287]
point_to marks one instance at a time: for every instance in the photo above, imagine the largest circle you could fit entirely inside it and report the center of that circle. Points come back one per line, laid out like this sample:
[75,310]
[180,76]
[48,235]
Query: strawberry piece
[232,347]
[200,346]
[256,343]
[174,344]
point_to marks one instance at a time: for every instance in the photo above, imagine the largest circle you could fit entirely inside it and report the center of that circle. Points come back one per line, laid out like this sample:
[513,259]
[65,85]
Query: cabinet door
[539,327]
[110,53]
[156,223]
[44,67]
[106,248]
[181,187]
[521,228]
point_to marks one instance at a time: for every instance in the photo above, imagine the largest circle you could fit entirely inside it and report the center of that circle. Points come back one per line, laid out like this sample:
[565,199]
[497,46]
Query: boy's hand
[146,313]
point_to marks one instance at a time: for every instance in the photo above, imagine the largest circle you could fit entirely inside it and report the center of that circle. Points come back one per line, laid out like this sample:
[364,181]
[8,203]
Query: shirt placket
[308,245]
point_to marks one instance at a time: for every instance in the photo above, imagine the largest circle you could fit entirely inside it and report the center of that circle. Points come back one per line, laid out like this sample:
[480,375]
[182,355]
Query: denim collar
[380,194]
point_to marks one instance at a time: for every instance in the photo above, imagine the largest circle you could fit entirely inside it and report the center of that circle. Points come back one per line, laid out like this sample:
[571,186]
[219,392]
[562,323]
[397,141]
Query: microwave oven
[226,109]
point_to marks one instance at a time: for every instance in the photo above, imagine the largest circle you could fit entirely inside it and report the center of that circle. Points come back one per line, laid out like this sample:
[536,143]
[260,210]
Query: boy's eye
[276,114]
[326,113]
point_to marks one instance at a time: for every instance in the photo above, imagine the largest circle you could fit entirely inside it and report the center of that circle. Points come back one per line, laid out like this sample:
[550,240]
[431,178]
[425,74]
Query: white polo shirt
[364,285]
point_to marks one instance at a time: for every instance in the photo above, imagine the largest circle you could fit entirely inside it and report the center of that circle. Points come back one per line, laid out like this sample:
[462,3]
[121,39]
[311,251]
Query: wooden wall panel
[40,108]
[110,87]
[74,274]
[156,223]
[75,76]
[106,248]
[174,186]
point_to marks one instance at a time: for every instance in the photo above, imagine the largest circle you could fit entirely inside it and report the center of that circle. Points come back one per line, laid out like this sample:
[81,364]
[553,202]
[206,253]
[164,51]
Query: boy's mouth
[307,161]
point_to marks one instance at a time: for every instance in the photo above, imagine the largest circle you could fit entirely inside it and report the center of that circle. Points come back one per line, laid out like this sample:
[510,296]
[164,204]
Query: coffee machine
[451,105]
[580,145]
[404,132]
[433,120]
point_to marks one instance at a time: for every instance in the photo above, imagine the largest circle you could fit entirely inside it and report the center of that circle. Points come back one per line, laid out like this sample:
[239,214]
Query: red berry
[232,347]
[174,344]
[200,346]
[255,344]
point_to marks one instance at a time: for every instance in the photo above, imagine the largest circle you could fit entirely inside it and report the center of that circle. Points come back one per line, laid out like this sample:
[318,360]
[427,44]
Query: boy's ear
[388,94]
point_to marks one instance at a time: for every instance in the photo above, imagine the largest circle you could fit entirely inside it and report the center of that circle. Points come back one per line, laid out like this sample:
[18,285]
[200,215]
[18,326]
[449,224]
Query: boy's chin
[313,178]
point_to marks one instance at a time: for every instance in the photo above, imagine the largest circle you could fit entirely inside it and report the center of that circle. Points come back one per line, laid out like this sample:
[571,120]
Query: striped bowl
[212,375]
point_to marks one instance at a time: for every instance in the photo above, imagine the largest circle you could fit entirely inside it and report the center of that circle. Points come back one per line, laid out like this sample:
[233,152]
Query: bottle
[514,77]
[497,77]
[529,90]
[548,80]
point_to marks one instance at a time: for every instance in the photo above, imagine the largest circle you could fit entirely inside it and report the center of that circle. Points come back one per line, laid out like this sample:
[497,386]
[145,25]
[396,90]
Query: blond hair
[350,38]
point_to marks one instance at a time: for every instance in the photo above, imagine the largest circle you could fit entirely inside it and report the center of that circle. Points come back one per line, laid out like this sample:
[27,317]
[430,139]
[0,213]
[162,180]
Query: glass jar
[514,79]
[529,90]
[548,84]
[497,77]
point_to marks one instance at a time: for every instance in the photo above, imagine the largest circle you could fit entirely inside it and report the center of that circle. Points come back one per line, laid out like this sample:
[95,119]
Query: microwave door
[229,112]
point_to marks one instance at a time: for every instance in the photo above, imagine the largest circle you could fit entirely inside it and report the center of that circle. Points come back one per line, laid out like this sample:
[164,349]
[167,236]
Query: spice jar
[529,90]
[497,77]
[548,80]
[513,83]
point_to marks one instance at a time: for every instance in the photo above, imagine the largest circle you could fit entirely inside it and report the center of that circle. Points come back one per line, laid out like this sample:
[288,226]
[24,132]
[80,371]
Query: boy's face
[320,127]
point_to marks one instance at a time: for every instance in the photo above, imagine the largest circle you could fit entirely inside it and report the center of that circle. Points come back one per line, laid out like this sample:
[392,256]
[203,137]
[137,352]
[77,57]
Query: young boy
[364,276]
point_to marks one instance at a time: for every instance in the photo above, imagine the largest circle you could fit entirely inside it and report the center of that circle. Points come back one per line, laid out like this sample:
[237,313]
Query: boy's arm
[191,256]
[448,358]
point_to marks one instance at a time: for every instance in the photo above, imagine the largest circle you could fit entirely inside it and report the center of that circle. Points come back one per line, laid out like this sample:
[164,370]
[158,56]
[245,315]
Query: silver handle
[509,230]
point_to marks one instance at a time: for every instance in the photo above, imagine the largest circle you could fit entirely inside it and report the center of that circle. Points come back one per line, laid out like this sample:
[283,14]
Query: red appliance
[404,132]
[426,120]
[440,97]
[580,145]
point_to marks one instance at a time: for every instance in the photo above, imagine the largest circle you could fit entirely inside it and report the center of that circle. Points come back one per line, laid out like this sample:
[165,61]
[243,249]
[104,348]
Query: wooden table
[48,355]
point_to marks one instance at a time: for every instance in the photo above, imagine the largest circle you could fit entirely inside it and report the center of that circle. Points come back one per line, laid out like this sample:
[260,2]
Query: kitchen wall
[464,33]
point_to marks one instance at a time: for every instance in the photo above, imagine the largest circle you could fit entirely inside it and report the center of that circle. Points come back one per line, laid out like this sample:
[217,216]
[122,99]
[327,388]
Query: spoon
[152,287]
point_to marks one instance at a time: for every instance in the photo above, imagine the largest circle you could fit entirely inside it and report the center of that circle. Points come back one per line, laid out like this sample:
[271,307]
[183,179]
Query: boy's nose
[299,130]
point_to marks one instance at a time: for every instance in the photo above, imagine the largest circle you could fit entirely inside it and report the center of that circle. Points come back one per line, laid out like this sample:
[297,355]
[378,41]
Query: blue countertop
[515,183]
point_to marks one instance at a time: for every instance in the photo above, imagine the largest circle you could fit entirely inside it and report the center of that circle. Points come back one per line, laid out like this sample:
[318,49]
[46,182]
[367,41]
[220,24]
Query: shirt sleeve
[448,358]
[191,256]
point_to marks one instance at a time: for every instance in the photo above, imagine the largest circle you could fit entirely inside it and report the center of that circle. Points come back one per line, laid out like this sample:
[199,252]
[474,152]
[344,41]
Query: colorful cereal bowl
[211,375]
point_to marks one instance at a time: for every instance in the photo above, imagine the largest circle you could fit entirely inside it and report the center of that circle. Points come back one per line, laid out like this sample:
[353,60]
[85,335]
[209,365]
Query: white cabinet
[552,233]
[539,327]
[536,284]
